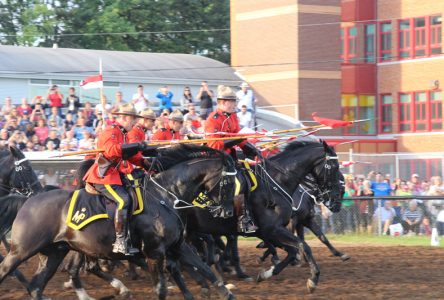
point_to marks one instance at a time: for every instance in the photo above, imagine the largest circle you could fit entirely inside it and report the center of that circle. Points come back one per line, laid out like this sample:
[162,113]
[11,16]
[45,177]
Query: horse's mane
[4,153]
[169,157]
[296,145]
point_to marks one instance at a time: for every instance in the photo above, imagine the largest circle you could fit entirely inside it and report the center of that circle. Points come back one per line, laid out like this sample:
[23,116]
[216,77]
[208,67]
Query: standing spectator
[118,101]
[103,107]
[55,116]
[7,106]
[87,113]
[245,96]
[68,123]
[41,131]
[205,96]
[140,99]
[24,108]
[348,206]
[72,101]
[412,218]
[415,185]
[55,98]
[165,97]
[186,100]
[380,187]
[365,206]
[53,137]
[436,189]
[38,113]
[384,215]
[245,118]
[440,221]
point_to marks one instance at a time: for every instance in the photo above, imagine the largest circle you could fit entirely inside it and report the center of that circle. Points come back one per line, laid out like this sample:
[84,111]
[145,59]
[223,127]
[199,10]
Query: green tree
[87,24]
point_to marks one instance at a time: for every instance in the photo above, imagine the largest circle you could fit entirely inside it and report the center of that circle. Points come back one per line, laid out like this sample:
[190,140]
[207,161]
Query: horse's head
[328,178]
[17,174]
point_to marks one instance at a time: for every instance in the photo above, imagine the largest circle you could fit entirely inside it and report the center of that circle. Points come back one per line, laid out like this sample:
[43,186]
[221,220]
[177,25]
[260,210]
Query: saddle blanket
[85,208]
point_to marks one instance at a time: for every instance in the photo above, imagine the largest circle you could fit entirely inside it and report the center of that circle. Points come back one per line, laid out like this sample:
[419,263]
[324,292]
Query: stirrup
[119,245]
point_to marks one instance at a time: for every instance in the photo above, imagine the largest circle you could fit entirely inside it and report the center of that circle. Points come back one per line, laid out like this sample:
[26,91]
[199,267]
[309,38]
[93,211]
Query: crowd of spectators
[66,123]
[370,216]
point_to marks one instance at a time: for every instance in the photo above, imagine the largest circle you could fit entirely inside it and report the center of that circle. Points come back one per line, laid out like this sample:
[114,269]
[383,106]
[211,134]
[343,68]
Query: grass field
[355,239]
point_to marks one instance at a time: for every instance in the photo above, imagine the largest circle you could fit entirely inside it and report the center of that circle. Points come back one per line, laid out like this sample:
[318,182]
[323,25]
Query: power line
[116,33]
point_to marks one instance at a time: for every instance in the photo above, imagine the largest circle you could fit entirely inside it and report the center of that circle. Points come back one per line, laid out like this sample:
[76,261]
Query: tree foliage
[77,24]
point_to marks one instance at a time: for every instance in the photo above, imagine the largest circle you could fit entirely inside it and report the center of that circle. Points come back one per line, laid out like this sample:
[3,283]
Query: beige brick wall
[421,143]
[396,9]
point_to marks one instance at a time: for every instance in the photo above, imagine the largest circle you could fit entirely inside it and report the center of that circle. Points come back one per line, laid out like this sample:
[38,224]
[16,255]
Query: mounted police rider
[117,159]
[219,124]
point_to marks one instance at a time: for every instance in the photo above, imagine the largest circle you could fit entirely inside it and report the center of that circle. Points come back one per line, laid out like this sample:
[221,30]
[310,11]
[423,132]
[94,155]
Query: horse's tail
[9,207]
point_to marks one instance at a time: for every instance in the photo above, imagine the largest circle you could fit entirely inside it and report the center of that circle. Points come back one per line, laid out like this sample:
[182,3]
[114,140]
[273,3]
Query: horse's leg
[232,240]
[316,229]
[5,242]
[157,270]
[173,269]
[282,236]
[301,234]
[187,257]
[75,263]
[50,260]
[20,277]
[205,289]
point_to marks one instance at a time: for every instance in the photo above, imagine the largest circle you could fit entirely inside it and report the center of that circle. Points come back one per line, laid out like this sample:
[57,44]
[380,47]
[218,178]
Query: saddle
[87,205]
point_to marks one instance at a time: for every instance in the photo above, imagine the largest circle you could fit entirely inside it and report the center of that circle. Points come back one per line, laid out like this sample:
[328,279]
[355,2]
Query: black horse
[40,224]
[272,205]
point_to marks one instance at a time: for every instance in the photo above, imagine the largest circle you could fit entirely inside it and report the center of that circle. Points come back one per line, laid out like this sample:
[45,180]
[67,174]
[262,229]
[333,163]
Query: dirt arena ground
[372,273]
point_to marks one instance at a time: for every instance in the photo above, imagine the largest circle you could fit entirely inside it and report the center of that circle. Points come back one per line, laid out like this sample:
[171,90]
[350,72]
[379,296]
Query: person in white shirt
[246,97]
[140,99]
[245,117]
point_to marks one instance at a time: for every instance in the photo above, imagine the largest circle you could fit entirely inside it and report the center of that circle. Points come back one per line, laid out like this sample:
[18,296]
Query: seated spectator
[384,215]
[24,122]
[4,137]
[165,99]
[29,131]
[72,101]
[99,121]
[412,218]
[68,123]
[56,116]
[69,143]
[88,114]
[87,143]
[103,107]
[42,131]
[50,146]
[39,100]
[38,114]
[53,137]
[51,177]
[191,114]
[30,147]
[24,108]
[245,117]
[18,139]
[80,128]
[12,125]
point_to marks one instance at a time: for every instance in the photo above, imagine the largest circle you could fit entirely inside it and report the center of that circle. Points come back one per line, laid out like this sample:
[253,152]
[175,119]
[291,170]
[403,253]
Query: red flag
[92,82]
[330,122]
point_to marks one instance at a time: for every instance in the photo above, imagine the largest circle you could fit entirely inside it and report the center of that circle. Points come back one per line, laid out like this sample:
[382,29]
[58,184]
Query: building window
[385,52]
[349,39]
[436,110]
[404,39]
[405,114]
[435,35]
[356,107]
[369,43]
[386,113]
[420,37]
[420,122]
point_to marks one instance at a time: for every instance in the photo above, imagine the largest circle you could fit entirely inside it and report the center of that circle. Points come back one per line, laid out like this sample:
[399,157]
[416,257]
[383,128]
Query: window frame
[408,110]
[382,121]
[347,39]
[385,36]
[415,119]
[408,36]
[370,56]
[438,30]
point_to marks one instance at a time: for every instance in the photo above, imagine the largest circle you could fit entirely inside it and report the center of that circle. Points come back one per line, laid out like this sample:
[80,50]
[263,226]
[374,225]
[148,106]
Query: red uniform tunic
[137,134]
[219,121]
[111,141]
[166,134]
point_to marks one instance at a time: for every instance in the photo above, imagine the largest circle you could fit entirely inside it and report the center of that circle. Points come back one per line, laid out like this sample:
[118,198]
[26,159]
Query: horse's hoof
[260,277]
[68,285]
[205,293]
[311,286]
[345,257]
[230,286]
[126,295]
[247,279]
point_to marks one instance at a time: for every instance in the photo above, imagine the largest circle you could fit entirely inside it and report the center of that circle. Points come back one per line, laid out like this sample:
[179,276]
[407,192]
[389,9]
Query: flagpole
[100,72]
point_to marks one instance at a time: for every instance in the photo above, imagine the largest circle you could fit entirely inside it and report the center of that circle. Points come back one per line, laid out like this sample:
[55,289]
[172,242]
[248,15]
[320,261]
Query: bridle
[327,185]
[26,188]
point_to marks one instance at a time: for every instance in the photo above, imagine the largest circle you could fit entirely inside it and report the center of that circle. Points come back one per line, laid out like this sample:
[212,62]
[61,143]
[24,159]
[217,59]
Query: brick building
[349,59]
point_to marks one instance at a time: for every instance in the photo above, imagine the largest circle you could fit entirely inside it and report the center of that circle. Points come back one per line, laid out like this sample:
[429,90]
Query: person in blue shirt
[380,187]
[165,97]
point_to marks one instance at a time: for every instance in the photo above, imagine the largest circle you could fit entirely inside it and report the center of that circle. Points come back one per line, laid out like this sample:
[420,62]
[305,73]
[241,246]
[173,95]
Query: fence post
[350,158]
[379,217]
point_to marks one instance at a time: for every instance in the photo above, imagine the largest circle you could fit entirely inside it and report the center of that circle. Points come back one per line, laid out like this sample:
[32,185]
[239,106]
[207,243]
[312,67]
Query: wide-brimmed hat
[126,109]
[147,113]
[176,116]
[225,93]
[244,85]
